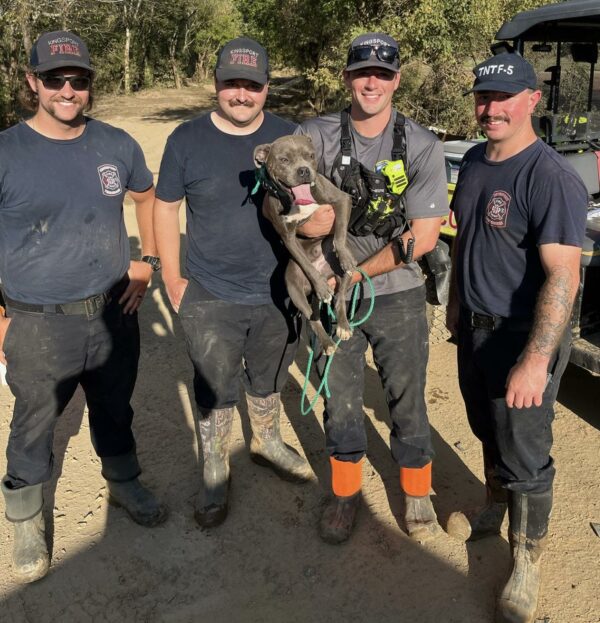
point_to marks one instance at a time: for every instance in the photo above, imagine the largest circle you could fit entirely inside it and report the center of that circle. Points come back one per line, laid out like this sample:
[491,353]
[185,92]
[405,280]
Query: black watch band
[153,261]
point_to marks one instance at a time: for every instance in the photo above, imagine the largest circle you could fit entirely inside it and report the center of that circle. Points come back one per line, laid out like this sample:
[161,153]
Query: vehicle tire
[436,319]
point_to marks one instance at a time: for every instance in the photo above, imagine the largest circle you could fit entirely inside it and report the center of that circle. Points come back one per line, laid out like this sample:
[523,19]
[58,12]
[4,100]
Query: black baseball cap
[373,49]
[508,72]
[59,49]
[243,59]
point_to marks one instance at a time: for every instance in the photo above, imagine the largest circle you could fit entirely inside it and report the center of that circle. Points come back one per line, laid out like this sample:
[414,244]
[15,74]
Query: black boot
[528,514]
[267,447]
[215,432]
[338,518]
[127,492]
[486,520]
[30,558]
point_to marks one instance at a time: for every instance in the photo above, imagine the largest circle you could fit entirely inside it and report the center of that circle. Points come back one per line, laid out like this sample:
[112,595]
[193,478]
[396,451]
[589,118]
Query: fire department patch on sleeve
[496,212]
[109,179]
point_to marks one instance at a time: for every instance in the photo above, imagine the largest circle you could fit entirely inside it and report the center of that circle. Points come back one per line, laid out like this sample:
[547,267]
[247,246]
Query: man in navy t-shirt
[232,306]
[521,212]
[70,289]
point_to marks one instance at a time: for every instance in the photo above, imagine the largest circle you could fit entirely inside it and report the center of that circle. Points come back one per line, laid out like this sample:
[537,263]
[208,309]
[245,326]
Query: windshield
[564,114]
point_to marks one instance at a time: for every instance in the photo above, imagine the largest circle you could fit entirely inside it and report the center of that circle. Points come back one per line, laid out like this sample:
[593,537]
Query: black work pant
[48,355]
[229,342]
[398,334]
[517,441]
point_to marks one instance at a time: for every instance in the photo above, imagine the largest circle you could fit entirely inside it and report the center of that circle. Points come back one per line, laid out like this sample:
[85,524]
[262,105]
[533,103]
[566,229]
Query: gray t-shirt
[426,195]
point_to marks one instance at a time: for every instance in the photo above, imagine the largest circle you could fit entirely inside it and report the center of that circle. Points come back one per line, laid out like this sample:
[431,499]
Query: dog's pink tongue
[302,195]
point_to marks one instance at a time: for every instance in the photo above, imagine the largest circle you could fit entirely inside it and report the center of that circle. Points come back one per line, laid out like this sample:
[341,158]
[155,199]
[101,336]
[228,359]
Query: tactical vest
[376,209]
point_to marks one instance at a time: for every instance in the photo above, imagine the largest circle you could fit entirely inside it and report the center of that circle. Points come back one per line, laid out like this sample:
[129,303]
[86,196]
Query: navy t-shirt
[232,250]
[62,233]
[504,211]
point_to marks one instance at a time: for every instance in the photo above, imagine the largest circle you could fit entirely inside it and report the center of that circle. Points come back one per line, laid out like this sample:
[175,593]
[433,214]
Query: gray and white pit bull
[290,162]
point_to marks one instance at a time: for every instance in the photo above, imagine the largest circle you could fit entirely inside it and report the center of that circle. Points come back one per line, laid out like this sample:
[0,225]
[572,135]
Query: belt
[85,307]
[494,323]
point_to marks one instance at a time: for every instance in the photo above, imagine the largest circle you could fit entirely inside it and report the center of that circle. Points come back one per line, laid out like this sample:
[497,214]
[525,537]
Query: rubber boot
[482,521]
[267,447]
[528,514]
[215,433]
[127,492]
[421,521]
[30,560]
[339,516]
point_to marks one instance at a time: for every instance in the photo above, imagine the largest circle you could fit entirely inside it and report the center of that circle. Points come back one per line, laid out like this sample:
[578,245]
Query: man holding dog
[70,290]
[351,147]
[232,307]
[521,213]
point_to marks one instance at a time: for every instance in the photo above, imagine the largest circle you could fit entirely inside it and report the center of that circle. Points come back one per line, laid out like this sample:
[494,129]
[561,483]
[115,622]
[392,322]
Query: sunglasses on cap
[385,53]
[55,82]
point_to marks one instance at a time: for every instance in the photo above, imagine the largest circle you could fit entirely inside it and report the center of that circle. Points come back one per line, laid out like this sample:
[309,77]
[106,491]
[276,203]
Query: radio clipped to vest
[377,203]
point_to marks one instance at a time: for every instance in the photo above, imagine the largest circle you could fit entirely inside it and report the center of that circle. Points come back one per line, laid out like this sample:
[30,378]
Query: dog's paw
[324,291]
[347,262]
[329,348]
[344,333]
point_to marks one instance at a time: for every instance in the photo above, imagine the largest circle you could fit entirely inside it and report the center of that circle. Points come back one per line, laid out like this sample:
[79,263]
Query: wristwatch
[153,261]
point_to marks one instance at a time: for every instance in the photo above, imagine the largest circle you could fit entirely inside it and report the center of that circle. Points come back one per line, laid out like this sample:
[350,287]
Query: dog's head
[290,162]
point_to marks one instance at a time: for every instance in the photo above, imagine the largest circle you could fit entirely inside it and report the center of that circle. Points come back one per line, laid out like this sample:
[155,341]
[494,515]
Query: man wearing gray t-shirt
[368,134]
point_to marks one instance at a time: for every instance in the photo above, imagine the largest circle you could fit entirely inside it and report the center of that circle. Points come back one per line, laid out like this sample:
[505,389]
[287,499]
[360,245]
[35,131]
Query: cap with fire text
[59,49]
[242,59]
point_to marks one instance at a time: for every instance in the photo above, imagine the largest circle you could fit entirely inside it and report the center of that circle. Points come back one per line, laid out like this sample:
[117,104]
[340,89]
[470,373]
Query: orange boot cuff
[416,481]
[346,477]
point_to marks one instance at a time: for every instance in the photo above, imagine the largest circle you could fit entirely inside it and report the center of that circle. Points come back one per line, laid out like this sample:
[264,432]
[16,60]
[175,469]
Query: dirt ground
[266,563]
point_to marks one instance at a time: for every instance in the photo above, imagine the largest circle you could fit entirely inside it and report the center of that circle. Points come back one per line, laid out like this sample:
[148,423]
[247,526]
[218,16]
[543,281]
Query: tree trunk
[126,64]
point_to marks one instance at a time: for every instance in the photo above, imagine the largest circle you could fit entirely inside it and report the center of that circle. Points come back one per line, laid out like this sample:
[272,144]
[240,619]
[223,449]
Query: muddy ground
[266,563]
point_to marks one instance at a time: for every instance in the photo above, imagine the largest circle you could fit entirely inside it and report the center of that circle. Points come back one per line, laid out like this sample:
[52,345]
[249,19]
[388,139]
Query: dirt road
[266,563]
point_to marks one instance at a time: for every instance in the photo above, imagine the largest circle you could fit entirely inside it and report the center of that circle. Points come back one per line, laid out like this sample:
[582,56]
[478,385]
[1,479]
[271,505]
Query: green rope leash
[324,385]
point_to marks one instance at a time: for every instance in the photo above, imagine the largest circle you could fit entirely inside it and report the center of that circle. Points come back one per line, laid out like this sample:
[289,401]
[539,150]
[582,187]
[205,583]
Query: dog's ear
[261,153]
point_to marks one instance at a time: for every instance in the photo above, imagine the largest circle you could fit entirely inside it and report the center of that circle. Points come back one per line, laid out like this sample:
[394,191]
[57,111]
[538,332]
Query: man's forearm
[143,214]
[425,233]
[166,231]
[552,311]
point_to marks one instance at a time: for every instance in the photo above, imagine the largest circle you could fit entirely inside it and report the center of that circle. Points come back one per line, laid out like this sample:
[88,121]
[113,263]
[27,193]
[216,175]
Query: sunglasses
[385,53]
[55,82]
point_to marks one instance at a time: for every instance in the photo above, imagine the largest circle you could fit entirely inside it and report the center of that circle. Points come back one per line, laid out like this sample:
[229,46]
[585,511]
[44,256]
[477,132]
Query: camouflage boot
[267,447]
[215,433]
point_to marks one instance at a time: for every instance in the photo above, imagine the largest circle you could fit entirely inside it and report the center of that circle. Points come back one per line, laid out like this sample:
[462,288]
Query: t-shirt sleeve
[558,209]
[427,192]
[171,185]
[140,178]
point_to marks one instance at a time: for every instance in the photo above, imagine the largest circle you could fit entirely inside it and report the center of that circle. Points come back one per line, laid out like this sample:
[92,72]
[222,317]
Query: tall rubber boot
[127,492]
[482,521]
[267,447]
[421,520]
[30,560]
[215,433]
[529,514]
[339,516]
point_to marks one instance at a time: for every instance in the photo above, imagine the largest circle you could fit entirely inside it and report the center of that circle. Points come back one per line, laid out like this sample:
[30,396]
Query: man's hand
[4,322]
[527,382]
[320,223]
[175,290]
[139,277]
